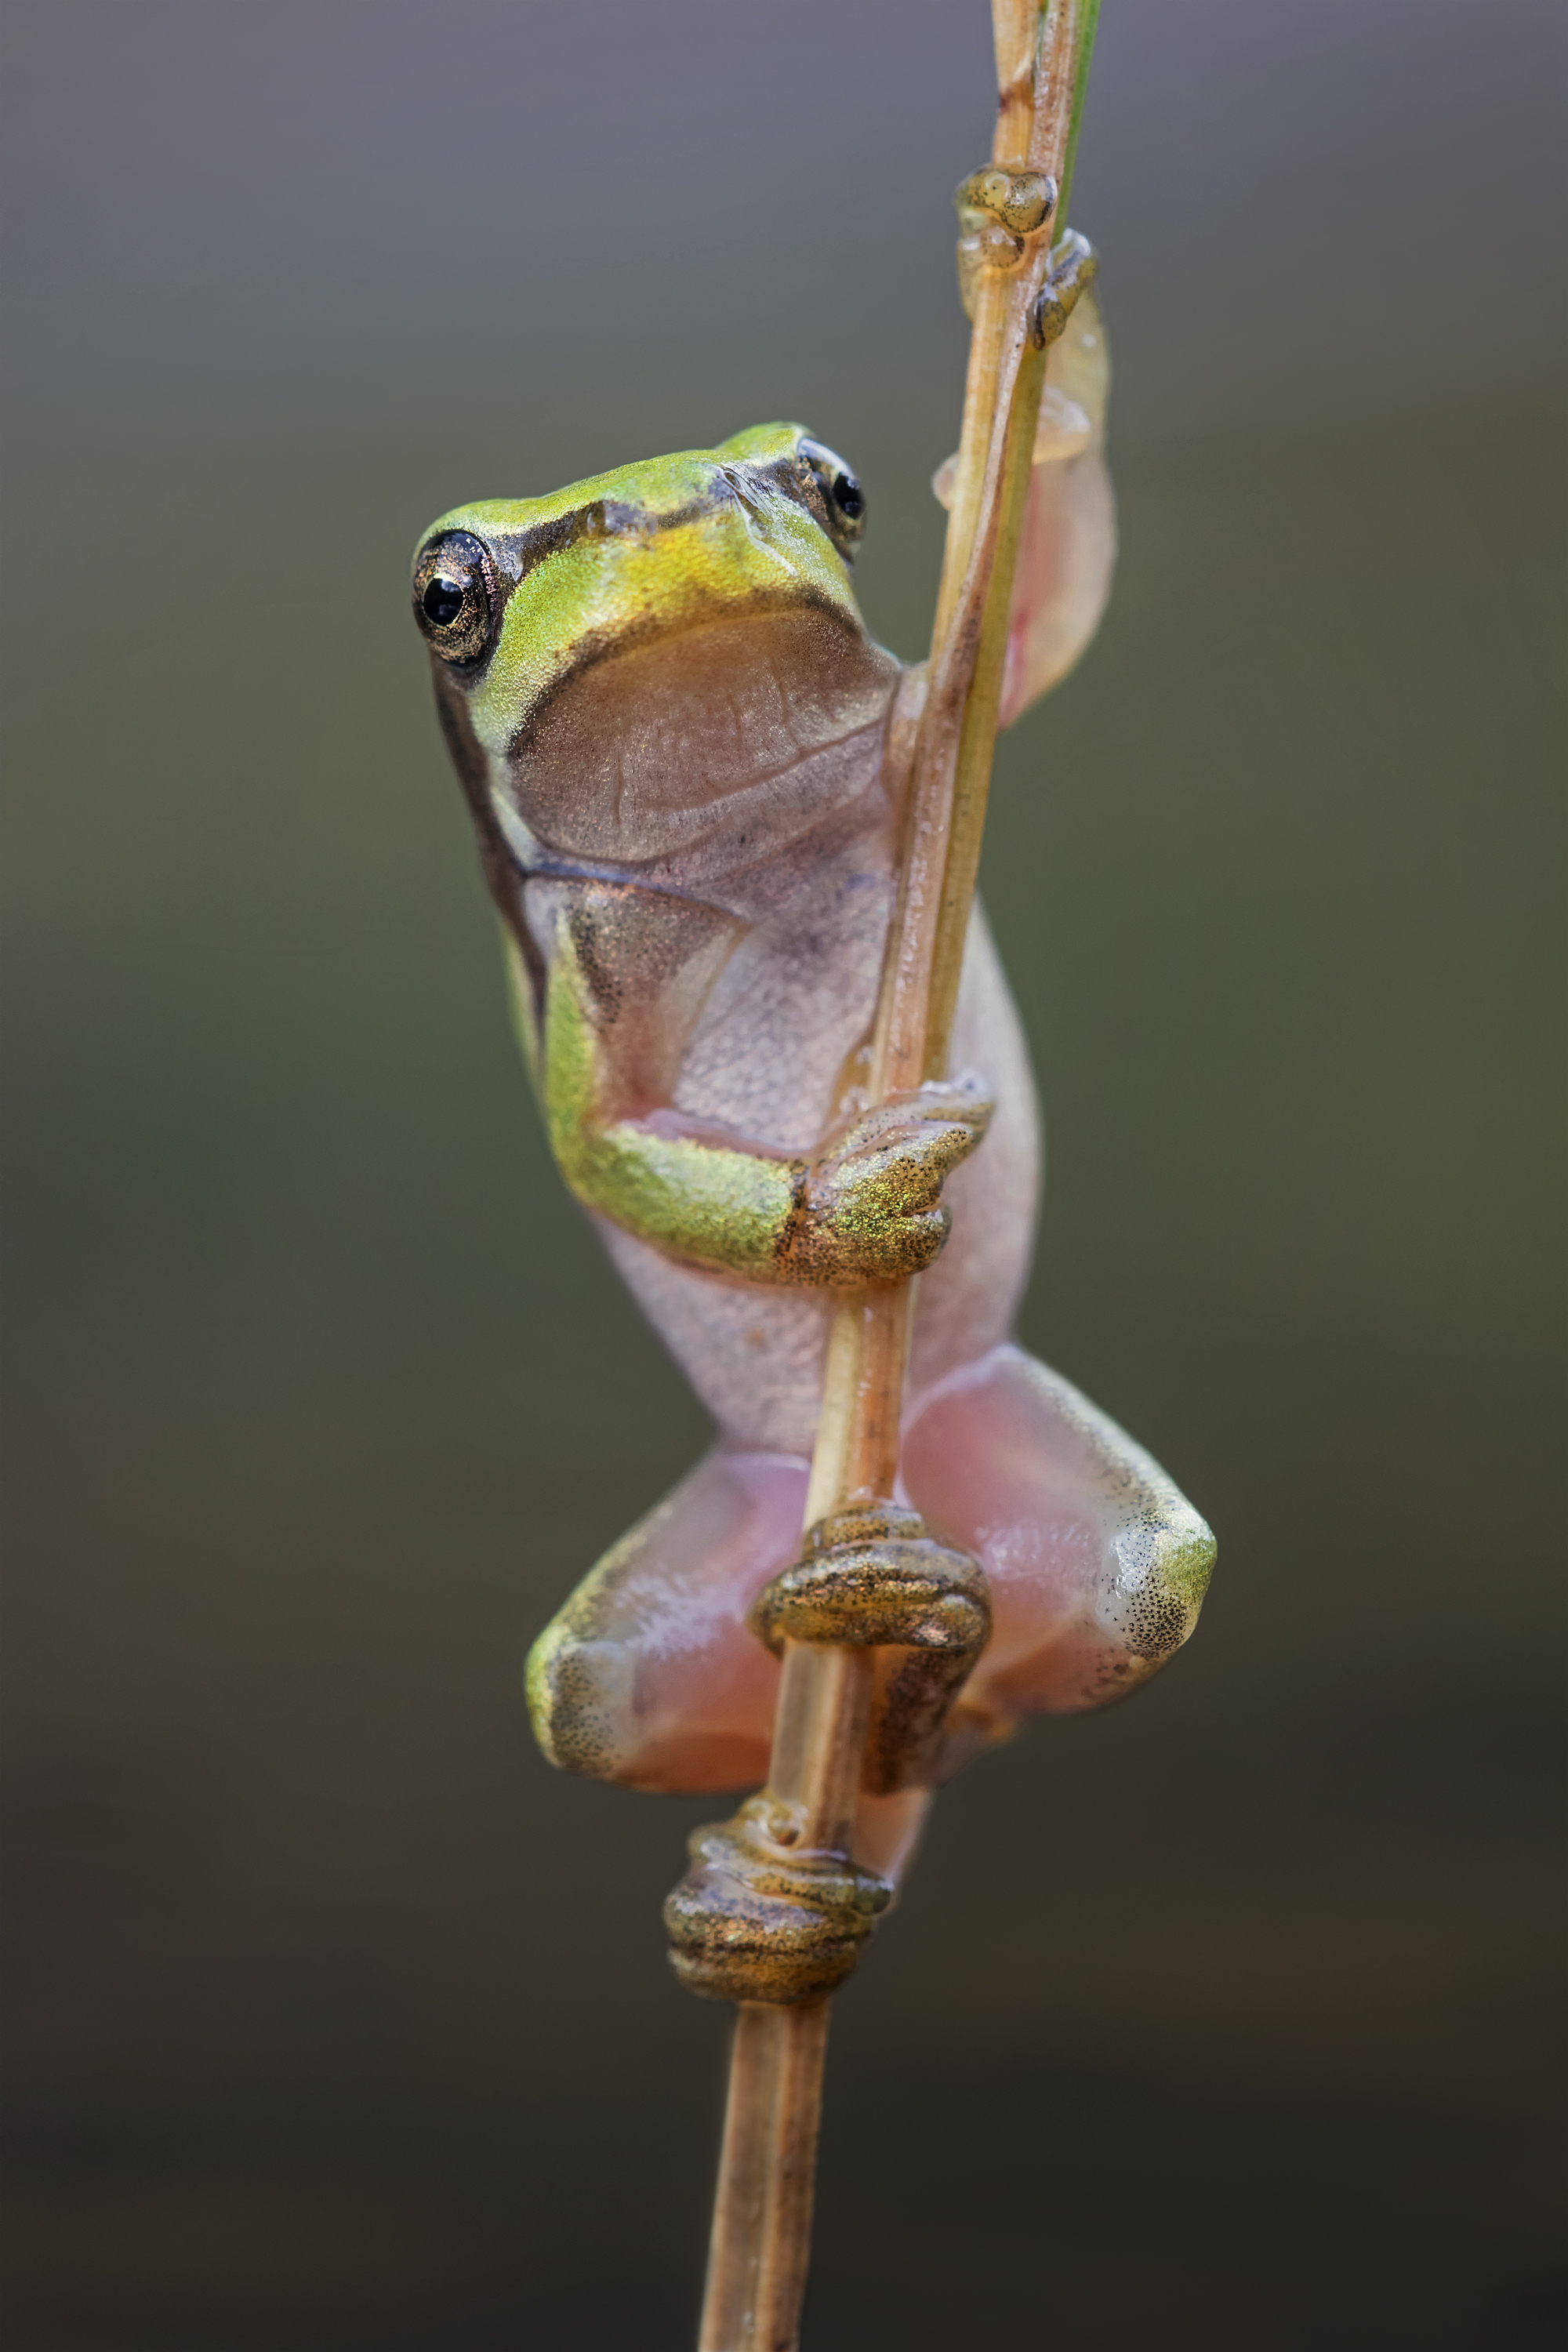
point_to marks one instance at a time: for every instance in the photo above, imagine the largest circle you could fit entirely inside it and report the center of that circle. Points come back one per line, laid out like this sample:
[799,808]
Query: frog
[686,760]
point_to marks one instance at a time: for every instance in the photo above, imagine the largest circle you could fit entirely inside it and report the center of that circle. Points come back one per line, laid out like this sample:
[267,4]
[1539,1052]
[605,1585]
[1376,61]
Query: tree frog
[685,757]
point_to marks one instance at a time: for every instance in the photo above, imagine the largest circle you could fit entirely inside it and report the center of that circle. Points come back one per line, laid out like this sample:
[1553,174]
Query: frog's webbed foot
[873,1577]
[870,1208]
[1074,267]
[758,1916]
[657,1672]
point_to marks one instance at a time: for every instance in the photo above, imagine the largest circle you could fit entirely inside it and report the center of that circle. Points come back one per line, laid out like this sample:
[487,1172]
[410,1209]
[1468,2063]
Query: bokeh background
[1231,2019]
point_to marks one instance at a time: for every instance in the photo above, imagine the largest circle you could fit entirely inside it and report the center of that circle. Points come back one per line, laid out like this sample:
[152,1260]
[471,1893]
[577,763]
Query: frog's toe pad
[752,1920]
[872,1576]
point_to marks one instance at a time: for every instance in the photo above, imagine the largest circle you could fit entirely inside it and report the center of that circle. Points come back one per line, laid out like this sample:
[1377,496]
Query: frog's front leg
[627,970]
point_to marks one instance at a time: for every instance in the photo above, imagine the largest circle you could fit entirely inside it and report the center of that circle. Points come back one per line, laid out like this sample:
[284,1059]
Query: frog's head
[659,655]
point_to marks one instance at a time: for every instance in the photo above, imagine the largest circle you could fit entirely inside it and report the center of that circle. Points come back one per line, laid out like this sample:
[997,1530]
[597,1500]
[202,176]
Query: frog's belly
[753,1352]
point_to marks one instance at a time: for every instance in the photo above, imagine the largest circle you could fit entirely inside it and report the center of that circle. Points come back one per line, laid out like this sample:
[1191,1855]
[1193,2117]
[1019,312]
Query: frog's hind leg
[1096,1562]
[649,1675]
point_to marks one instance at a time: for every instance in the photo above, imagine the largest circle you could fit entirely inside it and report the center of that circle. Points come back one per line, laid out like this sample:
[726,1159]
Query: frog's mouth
[719,741]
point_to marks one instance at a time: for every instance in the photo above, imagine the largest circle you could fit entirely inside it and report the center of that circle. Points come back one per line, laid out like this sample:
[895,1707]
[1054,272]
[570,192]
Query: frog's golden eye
[842,500]
[454,595]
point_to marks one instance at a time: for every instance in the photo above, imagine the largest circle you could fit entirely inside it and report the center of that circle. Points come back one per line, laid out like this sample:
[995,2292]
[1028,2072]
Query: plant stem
[761,2219]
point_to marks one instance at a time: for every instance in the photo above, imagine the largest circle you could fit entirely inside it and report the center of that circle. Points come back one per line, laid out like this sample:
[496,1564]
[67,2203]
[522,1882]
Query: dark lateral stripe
[606,517]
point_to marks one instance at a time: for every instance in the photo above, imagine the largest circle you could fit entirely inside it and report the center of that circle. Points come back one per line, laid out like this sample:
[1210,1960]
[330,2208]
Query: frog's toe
[649,1675]
[1075,265]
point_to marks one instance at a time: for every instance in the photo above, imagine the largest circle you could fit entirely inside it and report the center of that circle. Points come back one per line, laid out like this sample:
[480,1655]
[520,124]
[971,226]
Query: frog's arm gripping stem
[865,1207]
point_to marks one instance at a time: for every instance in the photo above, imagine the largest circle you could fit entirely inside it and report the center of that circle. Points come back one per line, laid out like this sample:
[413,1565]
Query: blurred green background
[1231,2019]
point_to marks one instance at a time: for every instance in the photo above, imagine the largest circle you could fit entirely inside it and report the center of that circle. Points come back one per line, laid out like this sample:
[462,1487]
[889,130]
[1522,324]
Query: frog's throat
[651,632]
[678,753]
[537,863]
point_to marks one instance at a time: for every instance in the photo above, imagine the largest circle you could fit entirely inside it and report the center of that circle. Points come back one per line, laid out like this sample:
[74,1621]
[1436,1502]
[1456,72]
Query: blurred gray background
[1228,2019]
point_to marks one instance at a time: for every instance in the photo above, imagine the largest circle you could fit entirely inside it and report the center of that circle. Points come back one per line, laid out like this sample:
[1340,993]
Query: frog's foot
[649,1675]
[658,1671]
[1094,1563]
[870,1207]
[998,207]
[1074,267]
[760,1917]
[871,1578]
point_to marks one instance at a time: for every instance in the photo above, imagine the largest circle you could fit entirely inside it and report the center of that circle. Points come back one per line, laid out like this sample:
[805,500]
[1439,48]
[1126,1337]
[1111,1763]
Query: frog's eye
[454,595]
[842,500]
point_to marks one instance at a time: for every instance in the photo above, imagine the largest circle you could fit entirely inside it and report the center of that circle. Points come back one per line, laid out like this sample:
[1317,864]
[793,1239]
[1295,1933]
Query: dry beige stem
[761,2218]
